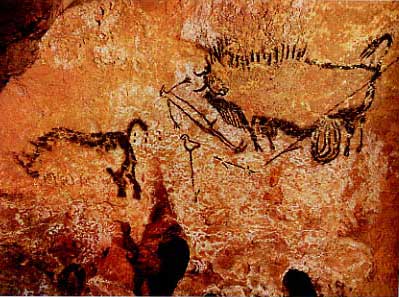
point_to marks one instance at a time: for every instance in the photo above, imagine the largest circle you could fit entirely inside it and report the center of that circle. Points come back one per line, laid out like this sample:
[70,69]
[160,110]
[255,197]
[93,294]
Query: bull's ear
[377,49]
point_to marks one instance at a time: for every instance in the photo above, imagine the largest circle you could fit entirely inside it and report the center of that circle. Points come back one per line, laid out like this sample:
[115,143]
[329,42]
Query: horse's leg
[362,120]
[127,172]
[119,181]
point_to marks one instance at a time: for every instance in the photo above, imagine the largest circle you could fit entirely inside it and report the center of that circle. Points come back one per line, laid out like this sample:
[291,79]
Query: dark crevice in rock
[174,256]
[21,271]
[163,252]
[298,284]
[72,279]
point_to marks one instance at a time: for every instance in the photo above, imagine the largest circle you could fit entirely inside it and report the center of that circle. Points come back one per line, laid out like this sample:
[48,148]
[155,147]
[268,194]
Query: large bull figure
[282,70]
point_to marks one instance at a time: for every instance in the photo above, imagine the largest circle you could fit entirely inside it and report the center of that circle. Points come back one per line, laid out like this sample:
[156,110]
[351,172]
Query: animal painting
[107,141]
[328,127]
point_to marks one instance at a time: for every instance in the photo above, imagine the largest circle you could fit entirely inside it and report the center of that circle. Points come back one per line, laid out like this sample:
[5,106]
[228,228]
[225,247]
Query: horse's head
[137,129]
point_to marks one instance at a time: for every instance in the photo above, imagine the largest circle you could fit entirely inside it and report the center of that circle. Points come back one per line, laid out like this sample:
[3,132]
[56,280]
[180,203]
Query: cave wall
[147,128]
[22,24]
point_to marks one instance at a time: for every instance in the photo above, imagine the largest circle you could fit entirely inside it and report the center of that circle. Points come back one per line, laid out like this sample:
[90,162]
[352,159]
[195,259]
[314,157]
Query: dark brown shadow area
[72,279]
[22,24]
[163,252]
[298,284]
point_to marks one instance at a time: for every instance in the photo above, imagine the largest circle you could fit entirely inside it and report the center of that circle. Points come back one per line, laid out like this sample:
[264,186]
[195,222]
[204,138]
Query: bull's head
[214,75]
[212,81]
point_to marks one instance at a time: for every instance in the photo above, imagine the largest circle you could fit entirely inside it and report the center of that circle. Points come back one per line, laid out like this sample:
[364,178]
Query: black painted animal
[108,141]
[325,132]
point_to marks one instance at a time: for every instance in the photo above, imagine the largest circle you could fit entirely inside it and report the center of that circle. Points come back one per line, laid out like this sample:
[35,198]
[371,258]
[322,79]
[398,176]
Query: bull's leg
[260,122]
[350,131]
[271,144]
[252,131]
[254,139]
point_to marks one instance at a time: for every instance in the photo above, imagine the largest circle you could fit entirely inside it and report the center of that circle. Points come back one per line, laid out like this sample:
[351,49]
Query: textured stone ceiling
[225,148]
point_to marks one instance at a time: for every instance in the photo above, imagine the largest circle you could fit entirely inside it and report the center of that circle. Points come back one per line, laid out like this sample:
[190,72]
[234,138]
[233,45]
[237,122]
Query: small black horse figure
[325,133]
[107,141]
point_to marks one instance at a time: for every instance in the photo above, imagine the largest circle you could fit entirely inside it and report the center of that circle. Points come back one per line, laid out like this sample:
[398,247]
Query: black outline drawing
[204,124]
[105,140]
[325,134]
[190,146]
[226,164]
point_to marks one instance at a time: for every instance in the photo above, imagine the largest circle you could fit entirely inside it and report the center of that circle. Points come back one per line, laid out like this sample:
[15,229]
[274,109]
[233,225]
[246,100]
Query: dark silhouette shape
[163,252]
[107,141]
[298,284]
[174,256]
[132,250]
[72,280]
[21,269]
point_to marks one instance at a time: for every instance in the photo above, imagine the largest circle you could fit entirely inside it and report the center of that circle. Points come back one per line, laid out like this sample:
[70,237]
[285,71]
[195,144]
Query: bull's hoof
[258,148]
[346,152]
[241,147]
[121,193]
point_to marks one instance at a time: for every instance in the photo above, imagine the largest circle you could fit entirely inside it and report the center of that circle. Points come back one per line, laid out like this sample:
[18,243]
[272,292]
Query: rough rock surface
[22,24]
[70,219]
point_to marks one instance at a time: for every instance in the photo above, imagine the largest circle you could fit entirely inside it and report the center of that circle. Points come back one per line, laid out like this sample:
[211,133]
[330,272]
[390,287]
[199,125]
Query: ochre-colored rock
[147,132]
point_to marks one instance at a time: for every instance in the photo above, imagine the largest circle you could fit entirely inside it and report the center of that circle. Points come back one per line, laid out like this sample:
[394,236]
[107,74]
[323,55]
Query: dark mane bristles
[224,51]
